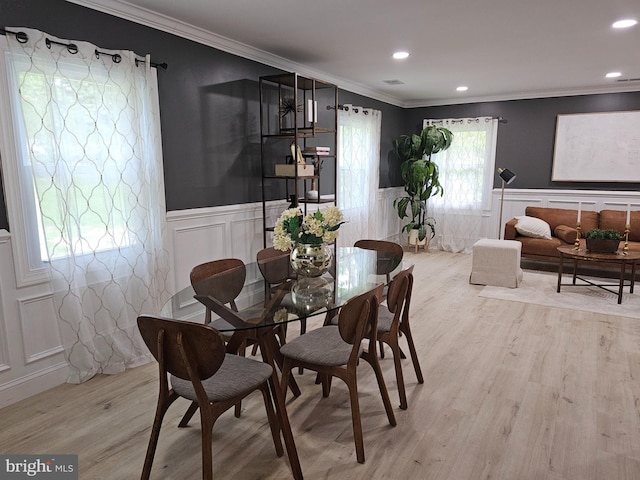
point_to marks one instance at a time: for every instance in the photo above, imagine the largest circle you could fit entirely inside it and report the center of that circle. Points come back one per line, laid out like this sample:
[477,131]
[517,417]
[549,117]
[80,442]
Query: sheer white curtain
[466,173]
[87,121]
[358,171]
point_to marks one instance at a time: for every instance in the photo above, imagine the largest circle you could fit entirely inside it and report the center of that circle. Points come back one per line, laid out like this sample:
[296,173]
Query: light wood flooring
[512,391]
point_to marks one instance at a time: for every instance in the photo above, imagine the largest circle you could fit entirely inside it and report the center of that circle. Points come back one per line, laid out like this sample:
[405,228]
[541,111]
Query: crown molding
[149,18]
[522,96]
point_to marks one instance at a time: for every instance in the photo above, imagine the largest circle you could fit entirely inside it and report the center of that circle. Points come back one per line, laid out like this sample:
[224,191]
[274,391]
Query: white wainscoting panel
[31,352]
[39,327]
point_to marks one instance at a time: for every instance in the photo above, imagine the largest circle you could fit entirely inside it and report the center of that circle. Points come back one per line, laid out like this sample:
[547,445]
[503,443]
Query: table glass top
[353,271]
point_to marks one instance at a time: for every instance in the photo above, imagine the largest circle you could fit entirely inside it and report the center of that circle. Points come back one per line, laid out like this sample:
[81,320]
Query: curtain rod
[346,108]
[500,119]
[72,48]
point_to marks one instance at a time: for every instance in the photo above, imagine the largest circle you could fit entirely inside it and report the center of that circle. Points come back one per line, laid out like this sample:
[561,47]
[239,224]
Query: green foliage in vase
[599,234]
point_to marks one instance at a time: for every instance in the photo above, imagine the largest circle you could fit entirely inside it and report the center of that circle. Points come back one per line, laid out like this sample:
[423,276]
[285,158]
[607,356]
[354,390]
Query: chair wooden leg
[326,384]
[273,420]
[356,420]
[206,425]
[412,351]
[381,347]
[372,358]
[161,409]
[395,348]
[193,408]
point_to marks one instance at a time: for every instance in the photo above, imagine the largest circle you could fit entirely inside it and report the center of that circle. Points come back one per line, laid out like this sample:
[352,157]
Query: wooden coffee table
[618,258]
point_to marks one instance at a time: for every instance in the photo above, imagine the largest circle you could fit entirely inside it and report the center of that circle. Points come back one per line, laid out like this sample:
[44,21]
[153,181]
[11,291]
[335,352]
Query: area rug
[540,289]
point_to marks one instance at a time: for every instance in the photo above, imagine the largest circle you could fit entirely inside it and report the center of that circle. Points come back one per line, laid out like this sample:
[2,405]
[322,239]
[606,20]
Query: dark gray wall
[526,141]
[209,112]
[208,104]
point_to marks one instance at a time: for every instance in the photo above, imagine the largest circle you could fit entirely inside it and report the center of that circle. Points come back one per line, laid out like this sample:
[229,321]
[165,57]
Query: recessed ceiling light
[613,74]
[626,23]
[400,55]
[462,88]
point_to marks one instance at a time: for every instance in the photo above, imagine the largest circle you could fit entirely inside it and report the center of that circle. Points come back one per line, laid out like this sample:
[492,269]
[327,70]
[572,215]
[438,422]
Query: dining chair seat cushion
[236,376]
[385,318]
[322,346]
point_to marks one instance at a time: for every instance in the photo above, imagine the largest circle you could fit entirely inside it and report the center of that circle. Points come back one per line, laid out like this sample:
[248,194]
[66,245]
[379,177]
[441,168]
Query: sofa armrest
[510,231]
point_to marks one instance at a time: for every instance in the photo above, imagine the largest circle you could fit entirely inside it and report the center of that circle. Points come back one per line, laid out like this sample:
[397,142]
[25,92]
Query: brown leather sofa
[563,232]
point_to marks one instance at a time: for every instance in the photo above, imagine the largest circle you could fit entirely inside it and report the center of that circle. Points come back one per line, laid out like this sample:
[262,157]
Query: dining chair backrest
[384,265]
[380,246]
[399,292]
[274,265]
[183,347]
[358,315]
[222,279]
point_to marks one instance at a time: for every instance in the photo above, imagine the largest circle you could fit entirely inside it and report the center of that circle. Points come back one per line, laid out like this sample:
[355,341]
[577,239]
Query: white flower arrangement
[315,229]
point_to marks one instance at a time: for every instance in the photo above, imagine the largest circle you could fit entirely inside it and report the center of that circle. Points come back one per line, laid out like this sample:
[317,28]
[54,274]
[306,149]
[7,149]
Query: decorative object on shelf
[297,154]
[420,176]
[287,107]
[507,177]
[602,241]
[308,238]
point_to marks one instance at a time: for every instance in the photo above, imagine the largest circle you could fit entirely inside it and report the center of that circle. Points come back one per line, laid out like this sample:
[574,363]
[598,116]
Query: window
[466,167]
[79,162]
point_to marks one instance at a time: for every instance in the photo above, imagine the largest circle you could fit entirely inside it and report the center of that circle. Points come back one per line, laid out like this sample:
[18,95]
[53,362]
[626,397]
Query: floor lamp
[507,177]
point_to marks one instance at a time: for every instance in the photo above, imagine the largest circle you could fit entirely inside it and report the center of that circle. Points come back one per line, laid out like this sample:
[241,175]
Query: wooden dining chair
[393,321]
[275,267]
[222,279]
[384,267]
[192,356]
[225,291]
[334,350]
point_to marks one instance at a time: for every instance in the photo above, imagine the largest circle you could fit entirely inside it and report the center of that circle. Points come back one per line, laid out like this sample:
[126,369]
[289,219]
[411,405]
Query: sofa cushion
[541,247]
[562,216]
[616,220]
[533,227]
[565,233]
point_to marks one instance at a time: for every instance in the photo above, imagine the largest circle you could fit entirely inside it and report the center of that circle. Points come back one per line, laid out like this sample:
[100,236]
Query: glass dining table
[260,310]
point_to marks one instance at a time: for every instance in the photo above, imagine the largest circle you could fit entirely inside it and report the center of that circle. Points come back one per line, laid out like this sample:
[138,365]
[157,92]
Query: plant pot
[413,240]
[311,260]
[602,245]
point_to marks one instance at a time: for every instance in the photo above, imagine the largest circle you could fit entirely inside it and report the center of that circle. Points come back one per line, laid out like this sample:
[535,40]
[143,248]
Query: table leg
[560,271]
[623,269]
[633,276]
[269,345]
[575,269]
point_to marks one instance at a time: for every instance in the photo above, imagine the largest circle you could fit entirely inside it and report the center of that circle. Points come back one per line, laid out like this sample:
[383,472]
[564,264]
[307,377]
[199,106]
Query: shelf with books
[298,131]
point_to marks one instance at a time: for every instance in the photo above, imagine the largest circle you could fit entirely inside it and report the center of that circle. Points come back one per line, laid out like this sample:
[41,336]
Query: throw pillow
[533,227]
[565,233]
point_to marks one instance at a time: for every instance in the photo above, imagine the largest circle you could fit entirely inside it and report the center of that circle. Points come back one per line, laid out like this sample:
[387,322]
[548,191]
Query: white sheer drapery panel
[358,171]
[466,172]
[92,165]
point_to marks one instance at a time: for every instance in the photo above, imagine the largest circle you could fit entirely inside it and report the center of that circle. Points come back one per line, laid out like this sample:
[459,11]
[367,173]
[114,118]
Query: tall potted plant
[421,179]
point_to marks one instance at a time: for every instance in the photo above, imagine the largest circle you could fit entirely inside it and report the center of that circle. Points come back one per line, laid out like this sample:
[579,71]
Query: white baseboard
[32,384]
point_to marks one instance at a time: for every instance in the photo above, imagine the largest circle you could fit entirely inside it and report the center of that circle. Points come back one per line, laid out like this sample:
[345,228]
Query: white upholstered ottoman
[496,262]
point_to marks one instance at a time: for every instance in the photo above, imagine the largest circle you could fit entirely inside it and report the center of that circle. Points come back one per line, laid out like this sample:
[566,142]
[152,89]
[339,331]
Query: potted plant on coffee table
[602,241]
[421,179]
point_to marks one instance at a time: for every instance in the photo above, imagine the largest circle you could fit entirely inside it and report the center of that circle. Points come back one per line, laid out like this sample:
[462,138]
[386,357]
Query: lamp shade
[506,175]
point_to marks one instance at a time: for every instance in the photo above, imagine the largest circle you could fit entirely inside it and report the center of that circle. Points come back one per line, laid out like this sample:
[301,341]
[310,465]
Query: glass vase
[311,260]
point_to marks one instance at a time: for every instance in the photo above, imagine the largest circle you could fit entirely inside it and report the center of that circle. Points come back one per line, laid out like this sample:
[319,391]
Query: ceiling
[500,49]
